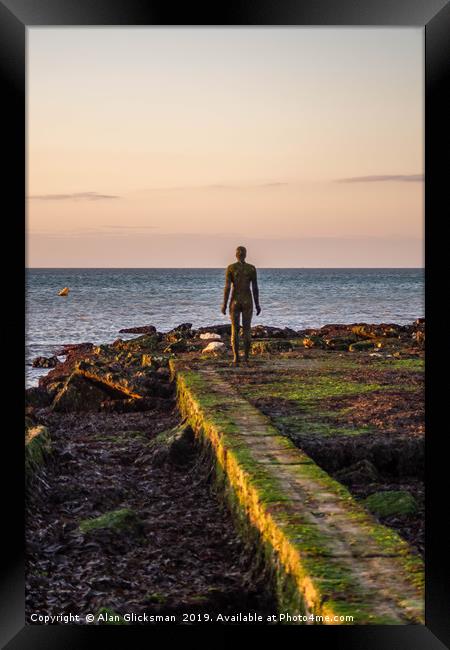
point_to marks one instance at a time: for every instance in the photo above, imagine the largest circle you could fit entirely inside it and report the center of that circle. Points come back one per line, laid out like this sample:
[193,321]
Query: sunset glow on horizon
[168,147]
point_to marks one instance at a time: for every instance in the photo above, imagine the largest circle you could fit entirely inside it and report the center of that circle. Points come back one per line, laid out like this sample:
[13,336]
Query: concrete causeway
[328,557]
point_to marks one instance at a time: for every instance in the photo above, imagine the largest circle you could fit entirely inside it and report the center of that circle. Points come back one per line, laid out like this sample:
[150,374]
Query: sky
[169,147]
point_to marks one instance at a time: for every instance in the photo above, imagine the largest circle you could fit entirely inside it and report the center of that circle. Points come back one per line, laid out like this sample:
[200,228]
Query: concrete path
[339,559]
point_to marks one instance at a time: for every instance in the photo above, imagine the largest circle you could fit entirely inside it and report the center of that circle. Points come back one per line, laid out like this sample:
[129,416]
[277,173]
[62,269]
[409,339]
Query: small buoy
[64,292]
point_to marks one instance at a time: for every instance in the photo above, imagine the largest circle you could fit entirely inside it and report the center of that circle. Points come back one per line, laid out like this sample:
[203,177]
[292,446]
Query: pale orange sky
[170,146]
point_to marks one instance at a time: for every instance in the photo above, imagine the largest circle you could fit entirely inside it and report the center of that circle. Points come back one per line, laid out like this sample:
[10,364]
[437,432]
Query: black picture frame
[15,17]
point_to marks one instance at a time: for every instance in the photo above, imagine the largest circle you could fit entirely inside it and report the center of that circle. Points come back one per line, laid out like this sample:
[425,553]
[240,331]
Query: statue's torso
[242,275]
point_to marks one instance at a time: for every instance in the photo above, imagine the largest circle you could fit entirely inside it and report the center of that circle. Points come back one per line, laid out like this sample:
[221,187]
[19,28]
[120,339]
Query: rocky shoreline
[133,375]
[116,516]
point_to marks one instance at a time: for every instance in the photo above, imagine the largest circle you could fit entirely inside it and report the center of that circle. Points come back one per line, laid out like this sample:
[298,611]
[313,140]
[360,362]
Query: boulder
[179,345]
[368,331]
[180,331]
[268,331]
[261,347]
[214,347]
[339,342]
[218,329]
[37,396]
[361,472]
[45,362]
[419,337]
[79,394]
[144,342]
[144,329]
[212,336]
[175,446]
[37,447]
[359,346]
[385,342]
[364,330]
[311,341]
[75,347]
[149,361]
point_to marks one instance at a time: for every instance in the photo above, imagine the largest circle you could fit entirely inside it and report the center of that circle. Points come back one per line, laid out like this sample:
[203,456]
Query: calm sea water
[102,301]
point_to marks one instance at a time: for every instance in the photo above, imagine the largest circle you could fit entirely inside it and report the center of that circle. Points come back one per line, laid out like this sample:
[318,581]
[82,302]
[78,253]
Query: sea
[103,301]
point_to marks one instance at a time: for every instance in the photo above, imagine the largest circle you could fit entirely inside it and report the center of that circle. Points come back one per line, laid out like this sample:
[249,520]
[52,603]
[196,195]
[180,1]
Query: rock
[78,394]
[102,349]
[64,292]
[339,342]
[361,345]
[180,331]
[161,361]
[363,330]
[311,341]
[148,360]
[144,329]
[75,347]
[368,331]
[37,447]
[391,502]
[36,396]
[210,336]
[178,345]
[418,337]
[175,446]
[214,347]
[261,347]
[268,331]
[361,472]
[385,342]
[218,329]
[144,342]
[45,362]
[123,520]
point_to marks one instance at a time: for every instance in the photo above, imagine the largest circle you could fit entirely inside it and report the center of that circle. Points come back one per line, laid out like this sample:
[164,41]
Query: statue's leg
[234,314]
[246,327]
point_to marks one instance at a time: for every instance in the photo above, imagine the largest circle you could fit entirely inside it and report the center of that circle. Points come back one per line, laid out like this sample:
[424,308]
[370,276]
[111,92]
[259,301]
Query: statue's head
[241,253]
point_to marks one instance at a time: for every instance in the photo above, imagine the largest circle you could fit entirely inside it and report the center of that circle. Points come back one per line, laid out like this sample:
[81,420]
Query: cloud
[217,186]
[112,227]
[101,230]
[401,178]
[75,196]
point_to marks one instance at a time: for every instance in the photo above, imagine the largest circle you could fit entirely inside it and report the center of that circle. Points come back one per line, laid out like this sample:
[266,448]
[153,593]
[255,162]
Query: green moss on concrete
[265,512]
[307,391]
[313,425]
[391,502]
[415,364]
[120,520]
[37,447]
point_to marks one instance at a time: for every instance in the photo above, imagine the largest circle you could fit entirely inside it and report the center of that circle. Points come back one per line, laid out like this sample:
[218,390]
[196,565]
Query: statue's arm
[226,291]
[255,291]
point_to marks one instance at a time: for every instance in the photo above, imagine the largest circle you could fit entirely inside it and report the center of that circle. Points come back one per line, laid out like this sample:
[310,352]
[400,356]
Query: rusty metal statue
[242,277]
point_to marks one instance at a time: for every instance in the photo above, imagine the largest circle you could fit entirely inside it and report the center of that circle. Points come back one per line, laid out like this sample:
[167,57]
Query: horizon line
[126,268]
